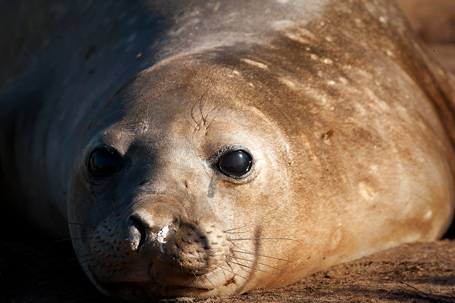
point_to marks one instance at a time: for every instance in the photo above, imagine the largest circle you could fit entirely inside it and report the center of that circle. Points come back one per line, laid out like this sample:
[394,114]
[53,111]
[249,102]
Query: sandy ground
[420,272]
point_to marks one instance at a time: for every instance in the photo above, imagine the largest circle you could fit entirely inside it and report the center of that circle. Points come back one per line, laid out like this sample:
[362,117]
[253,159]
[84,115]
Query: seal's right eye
[102,162]
[235,164]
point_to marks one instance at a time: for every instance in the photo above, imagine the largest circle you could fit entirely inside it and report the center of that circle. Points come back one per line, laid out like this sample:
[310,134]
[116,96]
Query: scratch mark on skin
[161,236]
[255,63]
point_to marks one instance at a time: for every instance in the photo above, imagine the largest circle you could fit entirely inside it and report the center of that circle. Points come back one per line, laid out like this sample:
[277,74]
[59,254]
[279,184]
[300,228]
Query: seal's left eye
[102,162]
[235,163]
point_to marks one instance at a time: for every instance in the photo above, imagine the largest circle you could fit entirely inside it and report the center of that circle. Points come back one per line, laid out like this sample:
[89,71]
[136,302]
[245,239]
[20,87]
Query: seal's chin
[162,280]
[195,287]
[137,291]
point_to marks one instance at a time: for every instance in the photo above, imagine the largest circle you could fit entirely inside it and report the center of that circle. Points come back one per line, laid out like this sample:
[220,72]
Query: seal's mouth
[170,285]
[135,290]
[170,277]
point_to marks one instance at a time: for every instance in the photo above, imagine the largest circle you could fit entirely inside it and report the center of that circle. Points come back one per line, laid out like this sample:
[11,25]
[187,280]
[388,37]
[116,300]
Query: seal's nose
[138,233]
[151,222]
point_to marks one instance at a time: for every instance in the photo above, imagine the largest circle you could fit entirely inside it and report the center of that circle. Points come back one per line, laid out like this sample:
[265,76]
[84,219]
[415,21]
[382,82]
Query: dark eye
[102,162]
[235,163]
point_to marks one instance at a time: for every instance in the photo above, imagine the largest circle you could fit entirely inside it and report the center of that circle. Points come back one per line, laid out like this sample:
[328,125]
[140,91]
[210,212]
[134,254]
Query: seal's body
[205,148]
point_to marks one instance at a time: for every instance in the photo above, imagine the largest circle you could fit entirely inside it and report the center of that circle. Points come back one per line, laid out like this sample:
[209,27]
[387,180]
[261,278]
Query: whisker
[194,274]
[228,230]
[90,254]
[77,258]
[112,209]
[86,261]
[198,220]
[72,223]
[243,265]
[73,263]
[81,238]
[205,278]
[249,239]
[106,272]
[249,253]
[66,240]
[236,245]
[254,262]
[236,274]
[247,225]
[58,241]
[88,269]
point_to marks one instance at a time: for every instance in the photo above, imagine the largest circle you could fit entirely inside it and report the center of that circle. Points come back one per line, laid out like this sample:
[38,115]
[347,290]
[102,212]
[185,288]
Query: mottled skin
[349,124]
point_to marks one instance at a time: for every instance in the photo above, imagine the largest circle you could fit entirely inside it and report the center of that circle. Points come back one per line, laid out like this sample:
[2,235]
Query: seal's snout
[155,242]
[162,232]
[152,224]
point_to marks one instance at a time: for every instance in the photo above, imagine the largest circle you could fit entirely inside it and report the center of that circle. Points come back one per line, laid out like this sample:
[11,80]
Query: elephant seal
[206,148]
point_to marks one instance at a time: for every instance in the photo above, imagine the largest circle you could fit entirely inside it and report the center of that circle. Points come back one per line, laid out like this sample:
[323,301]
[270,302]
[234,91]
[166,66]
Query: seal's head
[180,185]
[214,173]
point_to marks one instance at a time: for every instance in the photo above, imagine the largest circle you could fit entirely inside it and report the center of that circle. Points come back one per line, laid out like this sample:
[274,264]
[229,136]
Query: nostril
[138,232]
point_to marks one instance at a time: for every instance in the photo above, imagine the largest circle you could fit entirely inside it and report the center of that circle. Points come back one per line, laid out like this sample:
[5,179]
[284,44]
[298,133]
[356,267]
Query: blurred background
[434,21]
